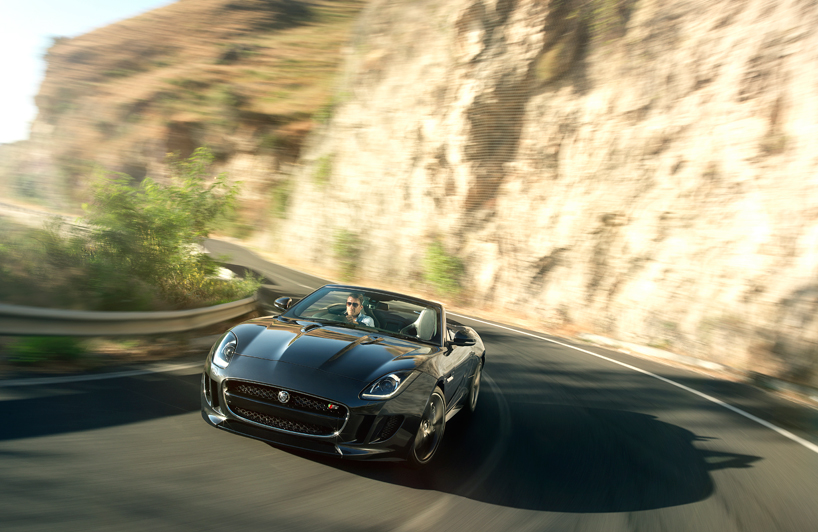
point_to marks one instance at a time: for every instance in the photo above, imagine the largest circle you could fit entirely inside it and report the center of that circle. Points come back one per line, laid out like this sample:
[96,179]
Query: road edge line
[787,434]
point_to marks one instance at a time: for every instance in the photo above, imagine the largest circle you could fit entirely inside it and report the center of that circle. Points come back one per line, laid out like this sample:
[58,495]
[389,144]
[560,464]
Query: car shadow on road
[563,458]
[78,406]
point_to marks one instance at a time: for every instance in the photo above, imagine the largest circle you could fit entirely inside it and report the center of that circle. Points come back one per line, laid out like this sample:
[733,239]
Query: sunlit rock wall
[646,170]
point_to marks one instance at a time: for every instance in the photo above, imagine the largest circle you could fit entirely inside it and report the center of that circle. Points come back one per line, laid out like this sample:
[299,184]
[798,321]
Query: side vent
[387,427]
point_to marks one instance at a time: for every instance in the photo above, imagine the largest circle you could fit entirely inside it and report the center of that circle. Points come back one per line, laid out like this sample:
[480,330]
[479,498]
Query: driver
[354,313]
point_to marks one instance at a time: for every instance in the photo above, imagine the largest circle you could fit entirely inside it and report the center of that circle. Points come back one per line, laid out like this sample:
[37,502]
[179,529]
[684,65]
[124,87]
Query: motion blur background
[643,170]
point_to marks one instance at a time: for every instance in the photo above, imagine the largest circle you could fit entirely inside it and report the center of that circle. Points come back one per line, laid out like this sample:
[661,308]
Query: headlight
[225,350]
[386,387]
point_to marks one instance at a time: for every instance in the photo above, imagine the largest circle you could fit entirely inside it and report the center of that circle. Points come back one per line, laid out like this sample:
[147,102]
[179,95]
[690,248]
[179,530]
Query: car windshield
[386,313]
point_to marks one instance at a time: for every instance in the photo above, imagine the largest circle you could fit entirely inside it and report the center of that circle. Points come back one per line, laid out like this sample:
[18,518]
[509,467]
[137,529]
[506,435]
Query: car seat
[426,324]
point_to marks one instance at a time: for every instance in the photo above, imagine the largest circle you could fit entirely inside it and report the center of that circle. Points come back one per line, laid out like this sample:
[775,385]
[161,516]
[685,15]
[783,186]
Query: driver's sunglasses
[353,305]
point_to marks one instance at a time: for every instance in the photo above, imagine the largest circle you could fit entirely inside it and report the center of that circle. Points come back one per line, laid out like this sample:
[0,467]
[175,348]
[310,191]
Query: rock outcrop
[643,169]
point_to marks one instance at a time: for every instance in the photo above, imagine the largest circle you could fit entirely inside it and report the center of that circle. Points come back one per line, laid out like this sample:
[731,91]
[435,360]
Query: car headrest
[426,324]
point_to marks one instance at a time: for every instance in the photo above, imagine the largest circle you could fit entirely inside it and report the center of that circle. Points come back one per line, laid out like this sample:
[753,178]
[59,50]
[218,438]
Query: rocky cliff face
[644,169]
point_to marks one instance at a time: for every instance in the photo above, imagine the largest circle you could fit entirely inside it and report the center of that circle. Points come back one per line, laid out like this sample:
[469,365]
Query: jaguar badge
[283,396]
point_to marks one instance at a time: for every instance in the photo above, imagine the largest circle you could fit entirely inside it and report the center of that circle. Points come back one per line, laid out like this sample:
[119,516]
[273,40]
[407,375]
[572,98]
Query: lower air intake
[283,424]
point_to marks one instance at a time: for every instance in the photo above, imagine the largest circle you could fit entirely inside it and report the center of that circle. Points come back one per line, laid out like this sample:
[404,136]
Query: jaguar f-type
[346,371]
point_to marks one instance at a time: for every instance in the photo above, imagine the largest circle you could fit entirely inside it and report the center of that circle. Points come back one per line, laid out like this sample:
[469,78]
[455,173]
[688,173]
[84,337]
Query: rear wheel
[430,430]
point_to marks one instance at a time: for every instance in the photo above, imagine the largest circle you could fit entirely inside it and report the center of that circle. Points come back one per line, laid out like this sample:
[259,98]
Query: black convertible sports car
[348,371]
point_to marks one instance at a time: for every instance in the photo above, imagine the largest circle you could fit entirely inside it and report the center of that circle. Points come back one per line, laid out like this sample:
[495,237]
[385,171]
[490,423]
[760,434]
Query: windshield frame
[297,311]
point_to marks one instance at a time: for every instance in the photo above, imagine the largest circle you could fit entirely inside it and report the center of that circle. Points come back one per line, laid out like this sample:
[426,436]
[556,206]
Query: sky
[26,31]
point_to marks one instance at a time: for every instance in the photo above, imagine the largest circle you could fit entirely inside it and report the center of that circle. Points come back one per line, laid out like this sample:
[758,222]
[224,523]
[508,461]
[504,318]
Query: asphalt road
[562,440]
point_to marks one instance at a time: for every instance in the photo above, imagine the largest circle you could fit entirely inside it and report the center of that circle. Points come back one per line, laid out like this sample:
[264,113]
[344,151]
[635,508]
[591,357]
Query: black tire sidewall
[412,460]
[472,406]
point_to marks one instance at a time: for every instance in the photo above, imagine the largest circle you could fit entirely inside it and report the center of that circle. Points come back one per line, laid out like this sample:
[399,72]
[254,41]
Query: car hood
[350,353]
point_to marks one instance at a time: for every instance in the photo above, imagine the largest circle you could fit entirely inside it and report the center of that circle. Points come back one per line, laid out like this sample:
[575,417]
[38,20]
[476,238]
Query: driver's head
[354,302]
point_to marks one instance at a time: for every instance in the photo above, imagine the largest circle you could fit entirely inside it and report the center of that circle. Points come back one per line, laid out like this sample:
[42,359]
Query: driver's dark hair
[357,295]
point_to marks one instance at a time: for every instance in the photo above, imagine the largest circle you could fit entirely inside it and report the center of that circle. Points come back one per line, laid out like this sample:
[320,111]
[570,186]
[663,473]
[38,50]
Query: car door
[458,362]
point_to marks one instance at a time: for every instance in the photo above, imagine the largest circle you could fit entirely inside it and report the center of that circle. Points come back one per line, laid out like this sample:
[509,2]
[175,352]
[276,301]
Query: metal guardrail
[32,321]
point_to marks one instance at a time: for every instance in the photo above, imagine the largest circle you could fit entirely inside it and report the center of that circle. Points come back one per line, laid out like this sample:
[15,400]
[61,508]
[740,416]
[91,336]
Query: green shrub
[280,199]
[442,270]
[39,349]
[557,60]
[271,142]
[240,230]
[119,73]
[325,112]
[323,170]
[152,231]
[606,20]
[347,247]
[139,249]
[27,186]
[229,98]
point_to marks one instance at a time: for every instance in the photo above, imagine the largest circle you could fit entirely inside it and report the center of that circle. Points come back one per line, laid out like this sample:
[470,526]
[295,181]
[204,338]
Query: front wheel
[474,388]
[430,430]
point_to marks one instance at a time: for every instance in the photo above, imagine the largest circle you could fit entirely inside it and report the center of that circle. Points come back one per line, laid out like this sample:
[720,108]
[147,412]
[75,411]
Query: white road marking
[40,381]
[787,434]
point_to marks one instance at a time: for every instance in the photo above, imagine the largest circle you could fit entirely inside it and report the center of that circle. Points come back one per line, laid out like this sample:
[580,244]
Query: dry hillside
[248,77]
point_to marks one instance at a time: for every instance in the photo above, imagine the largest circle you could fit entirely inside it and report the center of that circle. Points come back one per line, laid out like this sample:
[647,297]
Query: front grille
[297,400]
[301,413]
[278,423]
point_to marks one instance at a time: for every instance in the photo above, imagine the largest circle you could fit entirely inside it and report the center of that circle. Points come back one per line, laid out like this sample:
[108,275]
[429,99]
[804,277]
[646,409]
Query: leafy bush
[324,113]
[606,20]
[347,248]
[152,231]
[442,270]
[26,186]
[272,142]
[229,98]
[139,249]
[553,63]
[323,170]
[280,198]
[37,349]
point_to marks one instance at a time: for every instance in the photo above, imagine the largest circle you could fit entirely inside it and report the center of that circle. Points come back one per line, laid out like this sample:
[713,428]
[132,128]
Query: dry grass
[205,64]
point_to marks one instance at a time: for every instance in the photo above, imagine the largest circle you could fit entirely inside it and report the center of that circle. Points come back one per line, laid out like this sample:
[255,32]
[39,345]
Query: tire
[430,431]
[474,389]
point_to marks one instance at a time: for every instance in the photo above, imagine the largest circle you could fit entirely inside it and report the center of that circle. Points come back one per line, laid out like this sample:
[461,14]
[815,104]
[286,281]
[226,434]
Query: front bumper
[378,430]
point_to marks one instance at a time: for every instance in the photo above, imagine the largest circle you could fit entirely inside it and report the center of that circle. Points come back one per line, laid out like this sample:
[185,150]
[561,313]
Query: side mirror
[462,339]
[283,303]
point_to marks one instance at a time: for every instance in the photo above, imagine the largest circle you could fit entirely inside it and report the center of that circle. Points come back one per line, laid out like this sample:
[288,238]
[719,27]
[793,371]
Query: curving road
[563,440]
